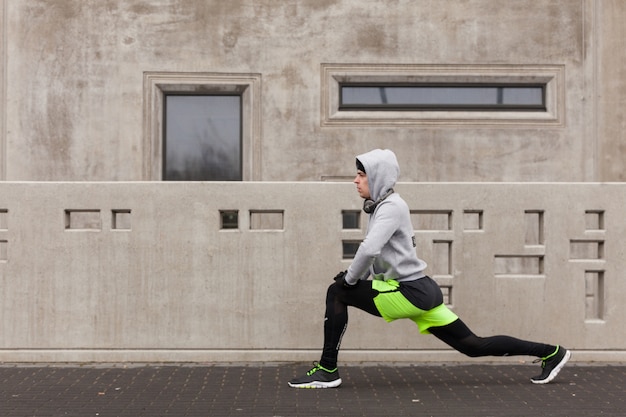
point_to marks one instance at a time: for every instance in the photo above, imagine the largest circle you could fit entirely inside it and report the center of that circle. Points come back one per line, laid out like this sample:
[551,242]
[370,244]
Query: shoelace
[318,367]
[544,360]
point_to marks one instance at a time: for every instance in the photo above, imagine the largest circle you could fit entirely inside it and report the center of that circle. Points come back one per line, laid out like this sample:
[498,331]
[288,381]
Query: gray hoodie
[388,250]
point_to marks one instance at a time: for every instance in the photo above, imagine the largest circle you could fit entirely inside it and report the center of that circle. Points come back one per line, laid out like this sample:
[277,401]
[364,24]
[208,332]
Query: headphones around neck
[370,205]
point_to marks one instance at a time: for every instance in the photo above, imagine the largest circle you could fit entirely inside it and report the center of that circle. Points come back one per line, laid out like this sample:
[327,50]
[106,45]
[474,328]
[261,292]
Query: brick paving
[261,390]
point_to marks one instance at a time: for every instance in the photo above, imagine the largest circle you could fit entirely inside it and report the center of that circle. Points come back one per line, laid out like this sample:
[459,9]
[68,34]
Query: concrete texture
[73,83]
[107,265]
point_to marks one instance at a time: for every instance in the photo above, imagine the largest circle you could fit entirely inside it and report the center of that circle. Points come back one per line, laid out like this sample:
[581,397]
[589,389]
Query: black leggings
[461,338]
[456,334]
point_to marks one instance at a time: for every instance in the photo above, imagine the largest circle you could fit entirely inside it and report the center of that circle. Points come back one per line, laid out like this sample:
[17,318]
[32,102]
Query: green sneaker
[551,365]
[317,377]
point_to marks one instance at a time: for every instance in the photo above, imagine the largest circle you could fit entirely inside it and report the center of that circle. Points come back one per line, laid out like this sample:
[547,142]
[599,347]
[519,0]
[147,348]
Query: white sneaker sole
[317,384]
[556,369]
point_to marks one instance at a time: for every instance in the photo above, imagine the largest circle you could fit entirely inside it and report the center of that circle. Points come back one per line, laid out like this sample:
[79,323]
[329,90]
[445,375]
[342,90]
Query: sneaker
[317,377]
[551,365]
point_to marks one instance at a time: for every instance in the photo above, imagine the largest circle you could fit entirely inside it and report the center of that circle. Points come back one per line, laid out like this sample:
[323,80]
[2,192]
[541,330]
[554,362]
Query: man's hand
[340,281]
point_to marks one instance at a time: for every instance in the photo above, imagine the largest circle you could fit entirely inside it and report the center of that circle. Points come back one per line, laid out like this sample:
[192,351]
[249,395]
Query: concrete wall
[143,271]
[74,104]
[79,102]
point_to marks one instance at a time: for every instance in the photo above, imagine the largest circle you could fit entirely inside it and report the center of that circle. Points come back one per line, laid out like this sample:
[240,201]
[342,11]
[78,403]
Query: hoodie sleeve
[383,225]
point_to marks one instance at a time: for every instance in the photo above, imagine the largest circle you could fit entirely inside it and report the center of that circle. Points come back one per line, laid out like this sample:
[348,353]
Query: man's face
[362,186]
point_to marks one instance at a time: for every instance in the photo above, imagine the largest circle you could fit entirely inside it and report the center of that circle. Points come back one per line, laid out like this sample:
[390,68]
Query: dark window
[351,219]
[349,248]
[202,138]
[442,97]
[229,219]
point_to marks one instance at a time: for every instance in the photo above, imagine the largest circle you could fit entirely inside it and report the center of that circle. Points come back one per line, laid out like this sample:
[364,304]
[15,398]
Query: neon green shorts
[392,305]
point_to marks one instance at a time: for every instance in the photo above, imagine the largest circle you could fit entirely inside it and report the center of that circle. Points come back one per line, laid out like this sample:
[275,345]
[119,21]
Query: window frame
[335,75]
[159,84]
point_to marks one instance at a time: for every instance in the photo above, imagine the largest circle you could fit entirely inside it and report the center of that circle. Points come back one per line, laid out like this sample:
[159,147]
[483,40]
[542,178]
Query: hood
[382,169]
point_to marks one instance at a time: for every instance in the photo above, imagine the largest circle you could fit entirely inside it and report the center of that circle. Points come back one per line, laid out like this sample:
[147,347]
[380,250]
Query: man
[399,288]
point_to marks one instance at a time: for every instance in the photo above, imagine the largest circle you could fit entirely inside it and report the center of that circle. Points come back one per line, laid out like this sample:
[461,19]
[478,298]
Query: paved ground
[254,390]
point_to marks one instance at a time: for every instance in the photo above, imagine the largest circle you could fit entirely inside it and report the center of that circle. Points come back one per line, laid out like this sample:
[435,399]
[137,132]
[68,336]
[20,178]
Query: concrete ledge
[275,356]
[148,272]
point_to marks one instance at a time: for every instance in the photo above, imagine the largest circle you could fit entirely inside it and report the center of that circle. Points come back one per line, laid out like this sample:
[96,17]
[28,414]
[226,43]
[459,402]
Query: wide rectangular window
[442,97]
[202,138]
[357,95]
